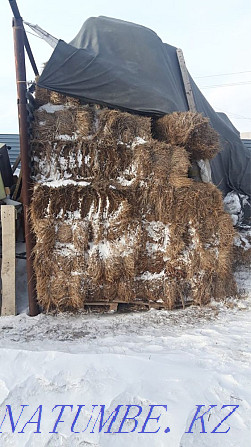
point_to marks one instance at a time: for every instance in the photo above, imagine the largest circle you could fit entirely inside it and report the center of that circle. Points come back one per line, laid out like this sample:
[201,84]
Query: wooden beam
[186,81]
[8,215]
[16,194]
[14,167]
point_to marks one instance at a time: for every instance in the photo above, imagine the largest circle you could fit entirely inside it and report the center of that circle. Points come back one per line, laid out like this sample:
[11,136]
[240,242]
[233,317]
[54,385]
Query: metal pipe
[18,34]
[15,10]
[16,14]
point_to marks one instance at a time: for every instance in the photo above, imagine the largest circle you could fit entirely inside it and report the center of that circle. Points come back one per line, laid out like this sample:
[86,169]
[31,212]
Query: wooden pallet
[124,306]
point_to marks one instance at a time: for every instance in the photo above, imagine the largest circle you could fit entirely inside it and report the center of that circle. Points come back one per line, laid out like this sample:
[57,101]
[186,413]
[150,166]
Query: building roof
[11,140]
[247,143]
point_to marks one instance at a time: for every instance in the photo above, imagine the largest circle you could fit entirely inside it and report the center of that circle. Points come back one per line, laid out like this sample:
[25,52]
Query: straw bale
[65,295]
[79,265]
[57,288]
[71,123]
[50,126]
[71,101]
[64,233]
[173,293]
[39,203]
[141,231]
[82,235]
[113,269]
[44,126]
[97,292]
[149,290]
[96,268]
[42,95]
[197,202]
[125,291]
[201,289]
[110,292]
[84,120]
[43,276]
[191,130]
[123,126]
[77,293]
[57,98]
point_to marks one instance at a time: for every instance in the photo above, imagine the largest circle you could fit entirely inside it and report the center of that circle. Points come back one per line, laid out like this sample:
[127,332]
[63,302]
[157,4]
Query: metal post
[16,14]
[18,34]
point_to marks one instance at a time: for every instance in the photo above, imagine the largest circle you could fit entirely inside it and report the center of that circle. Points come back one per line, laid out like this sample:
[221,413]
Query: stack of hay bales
[115,215]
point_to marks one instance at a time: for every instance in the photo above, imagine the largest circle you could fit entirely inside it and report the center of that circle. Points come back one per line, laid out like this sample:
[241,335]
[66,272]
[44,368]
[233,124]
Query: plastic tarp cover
[127,66]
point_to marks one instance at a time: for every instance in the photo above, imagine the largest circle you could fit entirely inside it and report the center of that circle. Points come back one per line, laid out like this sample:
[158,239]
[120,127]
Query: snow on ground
[179,359]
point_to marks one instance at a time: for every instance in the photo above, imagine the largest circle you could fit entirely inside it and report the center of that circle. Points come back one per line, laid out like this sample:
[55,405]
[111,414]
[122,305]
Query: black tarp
[127,66]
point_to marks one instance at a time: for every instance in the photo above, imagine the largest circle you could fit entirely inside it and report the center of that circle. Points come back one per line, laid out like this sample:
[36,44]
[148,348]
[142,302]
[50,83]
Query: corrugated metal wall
[247,143]
[11,140]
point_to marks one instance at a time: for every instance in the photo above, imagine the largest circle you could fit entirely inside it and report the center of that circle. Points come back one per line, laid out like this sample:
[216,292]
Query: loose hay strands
[191,130]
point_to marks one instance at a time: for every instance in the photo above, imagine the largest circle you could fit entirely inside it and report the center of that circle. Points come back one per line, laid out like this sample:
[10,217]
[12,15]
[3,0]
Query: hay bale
[64,233]
[42,95]
[71,101]
[57,98]
[123,126]
[85,121]
[140,230]
[190,130]
[49,126]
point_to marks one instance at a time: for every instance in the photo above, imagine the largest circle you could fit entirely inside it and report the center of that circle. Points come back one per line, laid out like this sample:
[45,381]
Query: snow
[243,239]
[234,204]
[179,358]
[137,141]
[52,108]
[64,182]
[148,276]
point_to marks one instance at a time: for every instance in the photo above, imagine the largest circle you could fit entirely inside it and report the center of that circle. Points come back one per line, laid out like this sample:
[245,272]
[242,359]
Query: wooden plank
[8,260]
[17,188]
[186,81]
[204,166]
[14,167]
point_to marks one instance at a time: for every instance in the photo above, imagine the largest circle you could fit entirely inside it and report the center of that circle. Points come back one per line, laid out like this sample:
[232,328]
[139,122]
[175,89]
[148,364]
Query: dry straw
[96,243]
[191,130]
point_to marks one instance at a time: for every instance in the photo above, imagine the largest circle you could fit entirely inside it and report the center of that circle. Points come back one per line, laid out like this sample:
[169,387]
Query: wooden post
[204,165]
[18,33]
[8,260]
[186,81]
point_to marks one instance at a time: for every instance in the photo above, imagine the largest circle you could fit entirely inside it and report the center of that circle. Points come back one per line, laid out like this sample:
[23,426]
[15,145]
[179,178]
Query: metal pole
[16,14]
[18,34]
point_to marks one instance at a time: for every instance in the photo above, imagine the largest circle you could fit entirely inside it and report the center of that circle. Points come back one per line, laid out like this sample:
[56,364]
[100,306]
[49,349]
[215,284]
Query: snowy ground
[179,359]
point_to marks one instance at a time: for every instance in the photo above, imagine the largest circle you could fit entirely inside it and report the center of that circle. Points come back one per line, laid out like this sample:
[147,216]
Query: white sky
[214,35]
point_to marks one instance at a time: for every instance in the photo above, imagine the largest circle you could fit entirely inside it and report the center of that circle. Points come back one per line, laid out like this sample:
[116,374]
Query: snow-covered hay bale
[119,216]
[191,130]
[56,122]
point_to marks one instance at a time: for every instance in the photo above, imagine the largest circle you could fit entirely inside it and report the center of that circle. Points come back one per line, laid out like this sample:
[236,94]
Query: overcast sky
[214,35]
